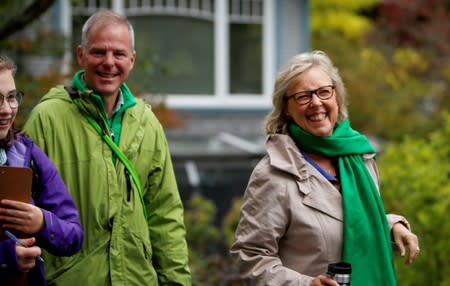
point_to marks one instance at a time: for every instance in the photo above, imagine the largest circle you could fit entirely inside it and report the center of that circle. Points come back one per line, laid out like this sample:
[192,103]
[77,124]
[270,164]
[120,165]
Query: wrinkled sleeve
[263,221]
[166,222]
[62,234]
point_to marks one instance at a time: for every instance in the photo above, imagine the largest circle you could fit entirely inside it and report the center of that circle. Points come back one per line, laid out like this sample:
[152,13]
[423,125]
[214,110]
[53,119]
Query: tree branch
[19,22]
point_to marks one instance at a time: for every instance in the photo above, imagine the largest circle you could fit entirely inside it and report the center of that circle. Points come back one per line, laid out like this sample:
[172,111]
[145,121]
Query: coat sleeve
[166,222]
[263,222]
[62,234]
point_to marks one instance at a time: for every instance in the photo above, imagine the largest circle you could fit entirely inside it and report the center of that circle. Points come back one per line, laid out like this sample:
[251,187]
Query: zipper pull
[127,177]
[111,133]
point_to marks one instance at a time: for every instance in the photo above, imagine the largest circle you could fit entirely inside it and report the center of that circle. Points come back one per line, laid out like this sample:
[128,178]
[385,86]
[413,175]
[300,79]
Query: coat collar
[284,155]
[318,192]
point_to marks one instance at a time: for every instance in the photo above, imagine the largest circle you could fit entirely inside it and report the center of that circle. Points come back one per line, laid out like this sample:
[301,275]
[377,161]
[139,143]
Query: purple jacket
[62,234]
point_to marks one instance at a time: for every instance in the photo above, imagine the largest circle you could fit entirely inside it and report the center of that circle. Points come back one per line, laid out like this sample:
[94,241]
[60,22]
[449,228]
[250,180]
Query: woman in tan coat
[314,199]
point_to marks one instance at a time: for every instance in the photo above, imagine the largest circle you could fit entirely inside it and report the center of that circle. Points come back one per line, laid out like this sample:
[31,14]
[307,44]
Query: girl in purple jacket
[51,220]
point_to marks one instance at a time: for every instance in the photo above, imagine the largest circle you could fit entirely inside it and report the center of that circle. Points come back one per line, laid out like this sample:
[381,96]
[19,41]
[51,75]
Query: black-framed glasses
[14,98]
[305,97]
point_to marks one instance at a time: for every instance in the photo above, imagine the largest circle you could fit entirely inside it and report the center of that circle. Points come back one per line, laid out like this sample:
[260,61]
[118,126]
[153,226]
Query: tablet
[15,183]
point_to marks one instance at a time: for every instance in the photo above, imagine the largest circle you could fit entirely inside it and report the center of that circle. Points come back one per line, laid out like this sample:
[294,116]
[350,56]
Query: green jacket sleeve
[166,225]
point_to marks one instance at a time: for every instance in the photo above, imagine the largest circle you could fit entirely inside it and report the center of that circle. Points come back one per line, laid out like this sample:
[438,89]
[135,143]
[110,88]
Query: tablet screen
[15,184]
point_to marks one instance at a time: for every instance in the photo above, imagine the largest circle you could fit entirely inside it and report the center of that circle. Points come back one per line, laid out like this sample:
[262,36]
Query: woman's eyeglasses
[13,98]
[305,97]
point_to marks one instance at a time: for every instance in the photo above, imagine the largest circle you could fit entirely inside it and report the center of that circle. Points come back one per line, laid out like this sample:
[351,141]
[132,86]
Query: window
[175,55]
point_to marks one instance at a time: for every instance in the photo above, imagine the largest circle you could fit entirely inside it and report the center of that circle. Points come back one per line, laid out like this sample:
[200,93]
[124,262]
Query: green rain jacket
[120,246]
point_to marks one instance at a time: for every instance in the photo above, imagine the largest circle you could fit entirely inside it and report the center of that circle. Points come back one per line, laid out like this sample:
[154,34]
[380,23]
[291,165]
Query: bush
[415,177]
[210,262]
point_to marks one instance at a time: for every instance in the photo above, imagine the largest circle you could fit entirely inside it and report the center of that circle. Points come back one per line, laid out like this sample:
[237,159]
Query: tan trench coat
[291,223]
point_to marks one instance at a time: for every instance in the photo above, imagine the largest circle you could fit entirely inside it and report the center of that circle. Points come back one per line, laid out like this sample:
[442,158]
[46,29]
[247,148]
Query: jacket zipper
[129,187]
[145,251]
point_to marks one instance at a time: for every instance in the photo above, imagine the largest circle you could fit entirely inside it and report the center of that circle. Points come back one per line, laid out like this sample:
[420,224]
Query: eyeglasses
[14,98]
[305,97]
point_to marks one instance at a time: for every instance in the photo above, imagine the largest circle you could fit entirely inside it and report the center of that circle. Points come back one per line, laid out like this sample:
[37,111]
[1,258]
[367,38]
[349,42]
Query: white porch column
[117,6]
[221,49]
[66,29]
[269,58]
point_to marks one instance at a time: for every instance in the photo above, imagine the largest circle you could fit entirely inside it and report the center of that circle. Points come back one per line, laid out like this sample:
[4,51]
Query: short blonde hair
[277,120]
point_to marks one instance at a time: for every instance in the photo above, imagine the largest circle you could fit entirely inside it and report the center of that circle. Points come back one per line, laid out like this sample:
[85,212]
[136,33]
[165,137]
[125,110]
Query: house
[214,63]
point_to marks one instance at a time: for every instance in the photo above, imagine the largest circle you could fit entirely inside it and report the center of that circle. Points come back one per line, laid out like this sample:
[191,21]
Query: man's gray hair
[104,18]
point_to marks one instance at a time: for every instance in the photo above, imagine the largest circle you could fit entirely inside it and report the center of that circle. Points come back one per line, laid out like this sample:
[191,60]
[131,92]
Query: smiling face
[317,117]
[107,58]
[7,114]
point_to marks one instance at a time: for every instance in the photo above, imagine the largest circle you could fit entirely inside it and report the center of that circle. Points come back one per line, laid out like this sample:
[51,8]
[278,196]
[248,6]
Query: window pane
[175,55]
[245,58]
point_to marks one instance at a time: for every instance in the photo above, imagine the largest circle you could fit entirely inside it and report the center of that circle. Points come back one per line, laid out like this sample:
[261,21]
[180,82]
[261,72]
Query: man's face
[107,58]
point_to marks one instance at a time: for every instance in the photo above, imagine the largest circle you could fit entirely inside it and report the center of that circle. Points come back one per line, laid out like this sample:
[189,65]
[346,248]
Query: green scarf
[92,104]
[367,244]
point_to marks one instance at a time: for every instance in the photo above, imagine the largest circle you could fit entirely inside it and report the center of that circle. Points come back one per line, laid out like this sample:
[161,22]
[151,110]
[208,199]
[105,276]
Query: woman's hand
[323,280]
[26,255]
[22,217]
[403,238]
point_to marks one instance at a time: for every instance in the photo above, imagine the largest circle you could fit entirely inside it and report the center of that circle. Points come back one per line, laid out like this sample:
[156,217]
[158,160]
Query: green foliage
[201,236]
[350,5]
[210,263]
[393,90]
[199,217]
[341,17]
[231,221]
[388,96]
[415,177]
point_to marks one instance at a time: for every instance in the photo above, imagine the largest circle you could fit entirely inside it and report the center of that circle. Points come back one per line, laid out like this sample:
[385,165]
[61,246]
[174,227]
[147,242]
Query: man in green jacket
[133,225]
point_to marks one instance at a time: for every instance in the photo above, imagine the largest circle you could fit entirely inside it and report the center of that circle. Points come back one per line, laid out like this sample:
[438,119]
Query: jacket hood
[57,92]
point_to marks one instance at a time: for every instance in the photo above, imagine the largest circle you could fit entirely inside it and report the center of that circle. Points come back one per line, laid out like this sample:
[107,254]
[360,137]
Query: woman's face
[319,116]
[7,114]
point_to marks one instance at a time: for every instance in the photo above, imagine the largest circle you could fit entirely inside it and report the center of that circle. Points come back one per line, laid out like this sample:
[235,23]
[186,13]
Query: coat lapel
[318,192]
[323,198]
